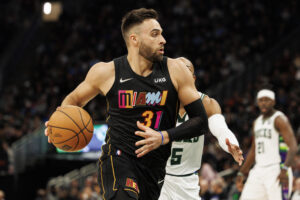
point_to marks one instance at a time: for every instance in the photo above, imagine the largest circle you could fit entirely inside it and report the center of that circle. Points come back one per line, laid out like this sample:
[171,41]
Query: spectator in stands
[204,188]
[2,195]
[4,158]
[217,191]
[41,195]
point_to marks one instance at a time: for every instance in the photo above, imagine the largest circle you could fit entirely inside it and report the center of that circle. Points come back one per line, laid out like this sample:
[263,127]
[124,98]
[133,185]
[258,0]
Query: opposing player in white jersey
[273,148]
[181,180]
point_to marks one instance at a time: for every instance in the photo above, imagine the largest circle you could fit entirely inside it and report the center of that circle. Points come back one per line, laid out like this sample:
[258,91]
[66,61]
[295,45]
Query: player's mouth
[264,109]
[161,51]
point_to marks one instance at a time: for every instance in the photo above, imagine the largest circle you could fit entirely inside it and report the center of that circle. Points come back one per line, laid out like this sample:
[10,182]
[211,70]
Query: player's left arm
[284,127]
[218,127]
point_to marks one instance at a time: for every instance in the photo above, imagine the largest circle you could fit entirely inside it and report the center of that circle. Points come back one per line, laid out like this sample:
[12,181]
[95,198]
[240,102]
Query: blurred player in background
[273,149]
[181,180]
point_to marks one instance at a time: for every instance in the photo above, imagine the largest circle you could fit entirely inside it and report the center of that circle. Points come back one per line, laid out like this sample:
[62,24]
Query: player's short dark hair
[135,17]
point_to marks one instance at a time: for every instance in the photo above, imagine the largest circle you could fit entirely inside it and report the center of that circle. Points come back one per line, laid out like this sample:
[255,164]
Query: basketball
[70,128]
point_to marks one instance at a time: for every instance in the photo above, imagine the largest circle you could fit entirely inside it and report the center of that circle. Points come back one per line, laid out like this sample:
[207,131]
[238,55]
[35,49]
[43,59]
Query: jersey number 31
[148,118]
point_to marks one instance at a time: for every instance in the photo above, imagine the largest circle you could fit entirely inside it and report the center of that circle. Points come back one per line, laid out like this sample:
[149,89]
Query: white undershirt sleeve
[220,130]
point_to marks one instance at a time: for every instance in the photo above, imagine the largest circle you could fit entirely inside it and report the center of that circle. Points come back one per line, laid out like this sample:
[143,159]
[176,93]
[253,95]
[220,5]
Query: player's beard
[147,52]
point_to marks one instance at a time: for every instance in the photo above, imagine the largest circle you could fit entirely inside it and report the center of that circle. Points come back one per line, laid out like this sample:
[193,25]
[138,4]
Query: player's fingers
[49,140]
[227,142]
[46,129]
[142,154]
[241,157]
[141,134]
[46,132]
[240,162]
[141,126]
[141,149]
[240,152]
[141,142]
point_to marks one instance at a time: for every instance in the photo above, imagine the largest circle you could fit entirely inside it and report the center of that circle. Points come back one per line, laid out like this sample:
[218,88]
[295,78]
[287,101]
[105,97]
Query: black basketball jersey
[152,100]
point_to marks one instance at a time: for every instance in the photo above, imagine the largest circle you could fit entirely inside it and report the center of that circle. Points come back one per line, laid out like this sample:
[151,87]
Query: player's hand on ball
[235,151]
[152,140]
[46,124]
[46,131]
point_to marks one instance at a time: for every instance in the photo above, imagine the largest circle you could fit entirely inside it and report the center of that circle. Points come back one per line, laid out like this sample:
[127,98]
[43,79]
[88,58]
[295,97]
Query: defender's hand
[235,151]
[46,131]
[283,178]
[152,140]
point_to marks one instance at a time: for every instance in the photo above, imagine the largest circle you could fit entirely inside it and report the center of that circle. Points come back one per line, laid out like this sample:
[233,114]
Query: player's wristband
[284,167]
[162,137]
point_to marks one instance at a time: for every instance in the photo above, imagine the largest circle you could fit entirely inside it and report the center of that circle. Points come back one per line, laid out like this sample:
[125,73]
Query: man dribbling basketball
[142,91]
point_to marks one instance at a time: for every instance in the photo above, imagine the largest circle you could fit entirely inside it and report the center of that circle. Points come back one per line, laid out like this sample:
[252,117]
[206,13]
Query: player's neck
[139,64]
[269,114]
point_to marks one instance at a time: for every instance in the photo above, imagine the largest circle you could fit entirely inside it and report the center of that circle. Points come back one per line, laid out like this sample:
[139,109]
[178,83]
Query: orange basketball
[70,128]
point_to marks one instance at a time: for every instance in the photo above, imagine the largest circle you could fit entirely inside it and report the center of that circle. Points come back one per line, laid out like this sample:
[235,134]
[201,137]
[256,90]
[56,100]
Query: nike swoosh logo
[159,182]
[124,80]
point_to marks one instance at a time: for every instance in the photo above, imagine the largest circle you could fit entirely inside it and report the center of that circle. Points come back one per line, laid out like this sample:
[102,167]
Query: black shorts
[119,171]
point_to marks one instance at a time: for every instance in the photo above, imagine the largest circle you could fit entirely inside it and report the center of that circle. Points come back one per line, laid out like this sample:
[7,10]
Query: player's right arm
[99,80]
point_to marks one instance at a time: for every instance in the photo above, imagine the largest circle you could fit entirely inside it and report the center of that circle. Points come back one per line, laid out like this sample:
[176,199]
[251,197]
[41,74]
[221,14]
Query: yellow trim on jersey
[100,164]
[132,191]
[109,145]
[113,171]
[107,118]
[102,178]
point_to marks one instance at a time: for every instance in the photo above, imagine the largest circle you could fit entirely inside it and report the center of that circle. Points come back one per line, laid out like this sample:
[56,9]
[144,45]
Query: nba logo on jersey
[119,152]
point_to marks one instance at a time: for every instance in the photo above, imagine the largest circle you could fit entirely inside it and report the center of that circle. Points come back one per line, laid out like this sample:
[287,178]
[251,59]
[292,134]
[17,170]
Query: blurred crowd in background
[220,37]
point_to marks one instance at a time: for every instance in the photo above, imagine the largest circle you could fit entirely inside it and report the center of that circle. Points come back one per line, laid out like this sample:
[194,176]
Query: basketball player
[181,180]
[271,176]
[142,90]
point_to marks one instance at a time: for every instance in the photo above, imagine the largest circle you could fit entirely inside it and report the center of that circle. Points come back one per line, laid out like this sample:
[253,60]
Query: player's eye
[154,34]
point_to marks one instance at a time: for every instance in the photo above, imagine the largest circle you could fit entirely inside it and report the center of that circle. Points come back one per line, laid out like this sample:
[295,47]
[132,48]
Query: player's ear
[133,37]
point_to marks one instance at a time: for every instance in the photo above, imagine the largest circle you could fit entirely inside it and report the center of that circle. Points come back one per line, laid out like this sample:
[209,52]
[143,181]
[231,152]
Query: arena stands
[222,38]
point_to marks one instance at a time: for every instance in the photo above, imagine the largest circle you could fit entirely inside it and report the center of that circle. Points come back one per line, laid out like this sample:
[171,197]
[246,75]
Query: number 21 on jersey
[150,116]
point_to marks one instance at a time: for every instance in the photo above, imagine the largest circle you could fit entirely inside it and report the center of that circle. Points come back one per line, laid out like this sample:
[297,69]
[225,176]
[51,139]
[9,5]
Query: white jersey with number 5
[186,154]
[267,150]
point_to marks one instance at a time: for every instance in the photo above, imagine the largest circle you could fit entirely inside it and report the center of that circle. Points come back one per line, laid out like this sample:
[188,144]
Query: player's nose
[163,40]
